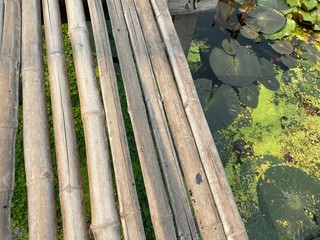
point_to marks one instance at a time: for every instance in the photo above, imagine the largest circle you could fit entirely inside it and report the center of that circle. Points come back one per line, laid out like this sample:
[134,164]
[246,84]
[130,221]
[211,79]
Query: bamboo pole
[9,84]
[129,209]
[70,187]
[158,203]
[105,223]
[228,211]
[208,221]
[1,20]
[37,155]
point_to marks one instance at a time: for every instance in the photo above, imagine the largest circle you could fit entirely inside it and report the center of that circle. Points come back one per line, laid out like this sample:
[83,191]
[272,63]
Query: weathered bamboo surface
[37,154]
[1,20]
[209,155]
[129,209]
[105,223]
[70,187]
[9,84]
[187,189]
[158,202]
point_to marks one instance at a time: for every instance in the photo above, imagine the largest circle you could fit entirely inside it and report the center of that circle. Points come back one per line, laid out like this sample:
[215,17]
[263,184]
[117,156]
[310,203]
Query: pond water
[266,129]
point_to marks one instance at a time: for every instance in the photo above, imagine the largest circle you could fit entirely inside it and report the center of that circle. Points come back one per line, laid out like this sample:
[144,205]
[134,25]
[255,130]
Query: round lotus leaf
[282,47]
[265,20]
[230,46]
[259,228]
[288,29]
[248,32]
[239,70]
[274,4]
[249,95]
[204,88]
[289,199]
[223,108]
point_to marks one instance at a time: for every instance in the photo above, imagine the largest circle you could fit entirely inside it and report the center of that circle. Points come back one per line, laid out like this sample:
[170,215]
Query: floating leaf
[269,82]
[259,228]
[265,20]
[224,11]
[249,95]
[289,198]
[286,31]
[282,47]
[248,32]
[204,89]
[289,61]
[230,46]
[240,70]
[266,68]
[223,108]
[274,4]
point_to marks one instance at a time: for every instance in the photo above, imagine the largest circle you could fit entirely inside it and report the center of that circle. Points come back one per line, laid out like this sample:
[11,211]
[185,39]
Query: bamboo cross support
[9,104]
[129,209]
[70,187]
[209,155]
[105,223]
[37,155]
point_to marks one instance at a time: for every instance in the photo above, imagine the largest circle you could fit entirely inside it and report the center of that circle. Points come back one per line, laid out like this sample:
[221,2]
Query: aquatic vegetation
[289,199]
[305,12]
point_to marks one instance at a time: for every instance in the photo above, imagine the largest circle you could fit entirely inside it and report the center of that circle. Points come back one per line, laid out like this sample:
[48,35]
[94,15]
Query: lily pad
[248,32]
[289,198]
[204,89]
[286,31]
[230,46]
[259,228]
[266,68]
[239,70]
[289,61]
[265,20]
[282,47]
[249,95]
[274,4]
[223,108]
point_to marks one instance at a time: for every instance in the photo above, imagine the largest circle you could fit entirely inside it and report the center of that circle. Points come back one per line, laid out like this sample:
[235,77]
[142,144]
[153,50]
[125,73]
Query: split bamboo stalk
[9,84]
[129,209]
[228,211]
[1,20]
[37,155]
[105,223]
[208,221]
[70,187]
[158,203]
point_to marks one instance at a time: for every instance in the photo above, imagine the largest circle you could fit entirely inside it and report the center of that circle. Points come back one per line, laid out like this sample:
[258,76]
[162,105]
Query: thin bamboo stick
[129,209]
[1,20]
[9,84]
[228,211]
[208,221]
[158,203]
[105,223]
[70,187]
[37,155]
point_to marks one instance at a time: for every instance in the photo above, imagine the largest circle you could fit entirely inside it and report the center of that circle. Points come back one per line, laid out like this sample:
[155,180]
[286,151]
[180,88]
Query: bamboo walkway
[187,189]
